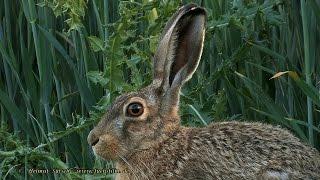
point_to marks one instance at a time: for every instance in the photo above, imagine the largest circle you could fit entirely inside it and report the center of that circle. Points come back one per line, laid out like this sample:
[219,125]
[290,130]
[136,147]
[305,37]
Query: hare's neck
[157,160]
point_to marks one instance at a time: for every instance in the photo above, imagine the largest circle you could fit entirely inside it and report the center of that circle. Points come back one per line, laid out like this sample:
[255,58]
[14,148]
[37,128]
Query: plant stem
[306,41]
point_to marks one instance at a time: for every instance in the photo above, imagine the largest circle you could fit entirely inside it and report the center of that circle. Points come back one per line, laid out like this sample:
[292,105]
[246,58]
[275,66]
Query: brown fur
[230,150]
[155,146]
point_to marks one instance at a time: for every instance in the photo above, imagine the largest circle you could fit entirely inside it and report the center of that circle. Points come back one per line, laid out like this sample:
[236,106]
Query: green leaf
[98,78]
[309,90]
[96,44]
[18,115]
[83,88]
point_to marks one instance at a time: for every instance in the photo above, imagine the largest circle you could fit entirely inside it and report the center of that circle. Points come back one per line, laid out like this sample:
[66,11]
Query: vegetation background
[63,61]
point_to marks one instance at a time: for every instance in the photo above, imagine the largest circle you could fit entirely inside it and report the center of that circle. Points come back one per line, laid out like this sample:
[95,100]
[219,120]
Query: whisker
[149,170]
[141,162]
[132,168]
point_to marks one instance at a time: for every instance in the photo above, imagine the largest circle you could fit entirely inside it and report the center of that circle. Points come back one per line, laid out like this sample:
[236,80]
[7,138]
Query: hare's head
[140,119]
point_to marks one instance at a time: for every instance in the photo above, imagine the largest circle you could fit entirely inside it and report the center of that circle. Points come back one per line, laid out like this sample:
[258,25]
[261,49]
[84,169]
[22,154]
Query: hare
[141,131]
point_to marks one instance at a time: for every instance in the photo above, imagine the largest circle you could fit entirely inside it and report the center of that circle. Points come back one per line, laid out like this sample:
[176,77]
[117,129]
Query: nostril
[92,139]
[95,142]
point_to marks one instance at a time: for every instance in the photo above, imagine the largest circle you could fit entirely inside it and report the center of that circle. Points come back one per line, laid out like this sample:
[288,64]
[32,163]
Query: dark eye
[135,109]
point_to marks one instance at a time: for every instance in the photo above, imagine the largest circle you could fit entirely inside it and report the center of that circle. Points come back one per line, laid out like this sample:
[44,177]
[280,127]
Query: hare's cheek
[108,147]
[139,130]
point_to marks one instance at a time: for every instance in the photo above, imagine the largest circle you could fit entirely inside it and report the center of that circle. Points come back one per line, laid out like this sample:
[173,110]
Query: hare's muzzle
[92,139]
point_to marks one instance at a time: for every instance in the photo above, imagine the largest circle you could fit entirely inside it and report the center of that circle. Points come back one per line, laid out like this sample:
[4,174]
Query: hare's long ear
[179,50]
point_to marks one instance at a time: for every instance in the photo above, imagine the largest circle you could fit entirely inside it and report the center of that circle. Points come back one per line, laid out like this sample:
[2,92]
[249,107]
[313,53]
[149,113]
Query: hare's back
[239,149]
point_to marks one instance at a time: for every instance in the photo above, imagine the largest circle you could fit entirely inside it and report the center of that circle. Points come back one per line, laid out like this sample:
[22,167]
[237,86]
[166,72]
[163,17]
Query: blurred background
[62,62]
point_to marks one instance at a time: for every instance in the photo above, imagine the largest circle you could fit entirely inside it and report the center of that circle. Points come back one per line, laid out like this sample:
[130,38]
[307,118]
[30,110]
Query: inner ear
[184,37]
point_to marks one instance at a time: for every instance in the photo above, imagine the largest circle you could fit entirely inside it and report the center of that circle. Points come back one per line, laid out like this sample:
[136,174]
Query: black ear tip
[193,9]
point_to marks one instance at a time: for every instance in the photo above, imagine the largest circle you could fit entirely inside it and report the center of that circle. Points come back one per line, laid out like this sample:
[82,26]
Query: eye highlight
[135,109]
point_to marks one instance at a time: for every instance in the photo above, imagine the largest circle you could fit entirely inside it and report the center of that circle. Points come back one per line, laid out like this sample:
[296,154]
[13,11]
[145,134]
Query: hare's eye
[134,109]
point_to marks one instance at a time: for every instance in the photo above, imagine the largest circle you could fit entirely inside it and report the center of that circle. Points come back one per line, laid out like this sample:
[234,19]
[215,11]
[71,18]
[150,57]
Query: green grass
[63,62]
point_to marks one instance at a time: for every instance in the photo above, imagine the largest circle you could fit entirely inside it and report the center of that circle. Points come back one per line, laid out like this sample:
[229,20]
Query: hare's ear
[180,49]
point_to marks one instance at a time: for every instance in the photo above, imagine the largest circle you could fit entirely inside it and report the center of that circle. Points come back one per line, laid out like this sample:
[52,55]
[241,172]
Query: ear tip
[193,8]
[189,6]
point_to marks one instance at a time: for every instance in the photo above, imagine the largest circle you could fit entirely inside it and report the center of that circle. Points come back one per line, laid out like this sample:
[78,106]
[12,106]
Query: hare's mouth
[107,147]
[103,153]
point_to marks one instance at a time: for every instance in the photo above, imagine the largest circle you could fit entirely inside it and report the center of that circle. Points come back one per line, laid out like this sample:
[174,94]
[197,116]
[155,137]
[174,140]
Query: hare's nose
[92,139]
